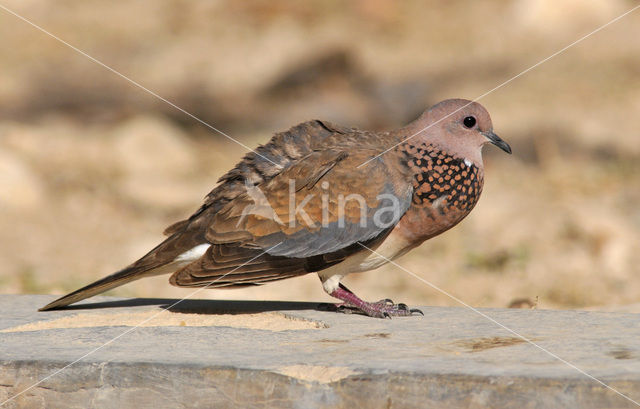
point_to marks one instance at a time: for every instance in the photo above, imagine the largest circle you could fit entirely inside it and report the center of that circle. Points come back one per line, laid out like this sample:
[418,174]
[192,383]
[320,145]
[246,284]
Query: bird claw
[417,311]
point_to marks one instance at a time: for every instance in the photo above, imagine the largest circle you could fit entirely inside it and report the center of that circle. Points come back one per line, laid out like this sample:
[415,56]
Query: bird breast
[446,188]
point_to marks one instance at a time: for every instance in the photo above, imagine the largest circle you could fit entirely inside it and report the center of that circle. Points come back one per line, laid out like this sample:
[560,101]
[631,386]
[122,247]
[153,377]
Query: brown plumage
[313,200]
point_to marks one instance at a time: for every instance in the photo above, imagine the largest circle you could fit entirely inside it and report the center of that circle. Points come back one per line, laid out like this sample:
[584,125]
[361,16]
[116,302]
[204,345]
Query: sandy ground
[92,168]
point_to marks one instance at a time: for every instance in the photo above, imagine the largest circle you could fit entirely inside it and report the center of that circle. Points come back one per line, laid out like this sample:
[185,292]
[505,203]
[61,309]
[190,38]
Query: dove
[326,199]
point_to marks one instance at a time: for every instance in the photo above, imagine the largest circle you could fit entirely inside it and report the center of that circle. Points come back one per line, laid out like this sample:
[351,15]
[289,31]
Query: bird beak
[495,139]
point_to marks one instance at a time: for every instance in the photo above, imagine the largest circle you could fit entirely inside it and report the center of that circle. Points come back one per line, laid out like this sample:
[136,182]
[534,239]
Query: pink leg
[380,309]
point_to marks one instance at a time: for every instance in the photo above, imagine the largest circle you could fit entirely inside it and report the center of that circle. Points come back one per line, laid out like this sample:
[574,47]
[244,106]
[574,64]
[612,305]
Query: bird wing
[308,217]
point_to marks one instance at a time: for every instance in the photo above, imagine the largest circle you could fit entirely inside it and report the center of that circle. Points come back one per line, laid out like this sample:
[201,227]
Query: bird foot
[379,309]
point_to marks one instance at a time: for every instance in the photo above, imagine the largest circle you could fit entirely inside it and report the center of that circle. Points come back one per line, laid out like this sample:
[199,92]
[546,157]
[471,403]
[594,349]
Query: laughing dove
[326,199]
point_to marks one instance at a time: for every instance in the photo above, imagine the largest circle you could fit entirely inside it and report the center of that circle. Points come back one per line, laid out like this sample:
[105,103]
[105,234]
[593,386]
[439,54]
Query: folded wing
[308,217]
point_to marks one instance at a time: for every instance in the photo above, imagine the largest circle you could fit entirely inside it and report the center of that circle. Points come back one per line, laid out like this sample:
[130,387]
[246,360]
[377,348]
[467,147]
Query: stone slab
[255,354]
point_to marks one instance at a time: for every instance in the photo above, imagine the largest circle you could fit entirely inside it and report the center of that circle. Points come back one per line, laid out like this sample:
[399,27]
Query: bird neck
[417,134]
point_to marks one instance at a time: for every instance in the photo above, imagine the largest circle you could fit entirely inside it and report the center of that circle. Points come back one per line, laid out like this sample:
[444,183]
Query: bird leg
[379,309]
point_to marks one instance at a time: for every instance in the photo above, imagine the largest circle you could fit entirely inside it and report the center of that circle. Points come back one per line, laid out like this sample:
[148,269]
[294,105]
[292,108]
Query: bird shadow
[214,307]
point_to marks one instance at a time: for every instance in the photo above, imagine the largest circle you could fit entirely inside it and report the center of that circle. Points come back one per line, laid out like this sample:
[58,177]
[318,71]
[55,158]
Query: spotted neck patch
[441,181]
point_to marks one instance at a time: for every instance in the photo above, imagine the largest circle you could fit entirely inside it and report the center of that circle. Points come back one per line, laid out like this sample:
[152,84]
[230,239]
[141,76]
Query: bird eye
[469,121]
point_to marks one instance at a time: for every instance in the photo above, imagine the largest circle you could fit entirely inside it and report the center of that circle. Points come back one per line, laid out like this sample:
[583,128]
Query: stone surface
[251,354]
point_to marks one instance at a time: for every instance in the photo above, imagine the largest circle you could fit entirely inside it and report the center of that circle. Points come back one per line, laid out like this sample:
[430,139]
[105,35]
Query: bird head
[460,127]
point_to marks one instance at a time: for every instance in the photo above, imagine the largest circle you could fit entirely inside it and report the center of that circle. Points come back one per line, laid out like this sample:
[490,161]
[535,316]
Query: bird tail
[163,259]
[114,280]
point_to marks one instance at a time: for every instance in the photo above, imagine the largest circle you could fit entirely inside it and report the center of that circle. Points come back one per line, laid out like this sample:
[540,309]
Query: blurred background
[92,168]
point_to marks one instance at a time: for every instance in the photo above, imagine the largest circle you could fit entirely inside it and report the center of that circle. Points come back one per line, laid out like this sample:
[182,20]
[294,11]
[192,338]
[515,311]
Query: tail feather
[114,280]
[165,258]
